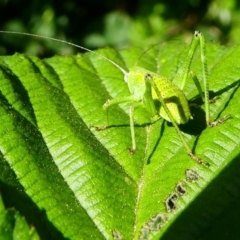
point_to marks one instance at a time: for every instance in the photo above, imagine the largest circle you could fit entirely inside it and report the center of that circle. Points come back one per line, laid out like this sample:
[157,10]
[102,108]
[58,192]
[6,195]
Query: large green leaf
[83,183]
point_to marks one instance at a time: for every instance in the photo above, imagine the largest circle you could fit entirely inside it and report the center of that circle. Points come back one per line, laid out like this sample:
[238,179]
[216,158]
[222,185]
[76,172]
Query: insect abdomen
[174,99]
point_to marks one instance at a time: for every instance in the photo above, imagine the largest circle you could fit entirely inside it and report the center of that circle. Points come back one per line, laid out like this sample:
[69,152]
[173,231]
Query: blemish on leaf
[170,202]
[192,175]
[116,235]
[180,189]
[154,224]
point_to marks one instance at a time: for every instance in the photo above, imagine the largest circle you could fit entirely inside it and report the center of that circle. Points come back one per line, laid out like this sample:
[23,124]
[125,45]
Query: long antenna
[69,43]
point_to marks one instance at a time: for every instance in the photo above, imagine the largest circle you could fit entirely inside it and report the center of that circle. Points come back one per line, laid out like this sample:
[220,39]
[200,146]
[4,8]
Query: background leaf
[14,226]
[82,182]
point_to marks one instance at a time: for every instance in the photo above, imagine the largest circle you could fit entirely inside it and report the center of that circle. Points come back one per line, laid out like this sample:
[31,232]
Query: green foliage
[117,23]
[14,226]
[83,183]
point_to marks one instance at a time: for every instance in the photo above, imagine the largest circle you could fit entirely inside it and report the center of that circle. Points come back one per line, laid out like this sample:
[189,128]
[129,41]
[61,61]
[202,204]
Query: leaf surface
[84,180]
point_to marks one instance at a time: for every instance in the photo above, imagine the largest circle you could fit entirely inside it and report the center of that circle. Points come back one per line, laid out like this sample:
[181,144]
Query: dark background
[119,23]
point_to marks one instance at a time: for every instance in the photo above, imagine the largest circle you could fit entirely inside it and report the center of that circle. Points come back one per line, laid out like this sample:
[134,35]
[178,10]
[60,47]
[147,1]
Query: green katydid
[146,87]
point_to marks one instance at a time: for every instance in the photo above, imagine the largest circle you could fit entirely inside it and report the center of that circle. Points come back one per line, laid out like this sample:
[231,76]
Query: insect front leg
[131,112]
[117,101]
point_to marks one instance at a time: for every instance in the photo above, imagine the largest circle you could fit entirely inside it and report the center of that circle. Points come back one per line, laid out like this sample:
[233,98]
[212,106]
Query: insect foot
[219,121]
[100,128]
[131,151]
[106,104]
[198,160]
[213,100]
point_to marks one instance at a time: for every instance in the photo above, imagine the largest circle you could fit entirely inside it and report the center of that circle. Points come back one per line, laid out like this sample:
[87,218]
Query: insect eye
[148,76]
